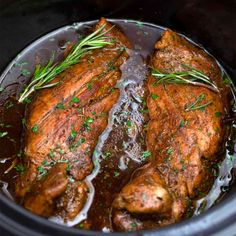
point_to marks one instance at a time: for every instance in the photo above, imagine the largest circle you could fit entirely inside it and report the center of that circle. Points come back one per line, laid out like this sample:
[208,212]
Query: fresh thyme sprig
[43,75]
[193,76]
[194,105]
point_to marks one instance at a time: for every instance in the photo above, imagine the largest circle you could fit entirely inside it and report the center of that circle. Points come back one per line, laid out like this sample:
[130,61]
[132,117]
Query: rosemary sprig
[43,75]
[194,105]
[193,76]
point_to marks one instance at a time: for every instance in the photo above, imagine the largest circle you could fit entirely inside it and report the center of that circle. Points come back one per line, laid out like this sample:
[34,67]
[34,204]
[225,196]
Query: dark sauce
[114,161]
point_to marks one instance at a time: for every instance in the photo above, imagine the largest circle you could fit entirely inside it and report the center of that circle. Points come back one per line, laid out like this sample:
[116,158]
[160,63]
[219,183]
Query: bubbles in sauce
[114,160]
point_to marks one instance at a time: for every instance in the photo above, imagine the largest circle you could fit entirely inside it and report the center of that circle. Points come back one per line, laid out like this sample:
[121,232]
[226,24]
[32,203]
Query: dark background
[211,23]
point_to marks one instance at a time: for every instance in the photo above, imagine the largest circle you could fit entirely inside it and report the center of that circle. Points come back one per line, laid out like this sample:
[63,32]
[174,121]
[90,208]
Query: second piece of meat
[181,142]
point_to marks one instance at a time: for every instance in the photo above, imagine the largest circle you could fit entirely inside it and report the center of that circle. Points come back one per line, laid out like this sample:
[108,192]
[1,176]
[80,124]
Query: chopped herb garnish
[116,173]
[35,128]
[27,100]
[1,89]
[23,121]
[8,104]
[154,96]
[88,121]
[170,151]
[5,125]
[218,114]
[68,168]
[60,106]
[41,171]
[226,79]
[89,86]
[145,155]
[77,143]
[46,163]
[20,168]
[106,155]
[74,100]
[51,153]
[129,123]
[183,123]
[25,72]
[73,133]
[144,111]
[3,134]
[167,159]
[80,141]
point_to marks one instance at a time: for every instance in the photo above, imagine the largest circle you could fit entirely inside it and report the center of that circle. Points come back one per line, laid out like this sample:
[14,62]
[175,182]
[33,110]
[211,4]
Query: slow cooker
[211,23]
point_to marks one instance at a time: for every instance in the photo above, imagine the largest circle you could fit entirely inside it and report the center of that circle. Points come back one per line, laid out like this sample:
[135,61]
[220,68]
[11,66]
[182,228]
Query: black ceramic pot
[211,23]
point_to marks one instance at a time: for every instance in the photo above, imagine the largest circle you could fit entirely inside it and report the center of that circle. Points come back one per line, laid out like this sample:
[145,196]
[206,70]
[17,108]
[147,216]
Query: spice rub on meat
[63,126]
[182,141]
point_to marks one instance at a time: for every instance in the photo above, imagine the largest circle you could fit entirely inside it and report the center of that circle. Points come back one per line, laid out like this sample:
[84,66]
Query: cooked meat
[63,126]
[181,142]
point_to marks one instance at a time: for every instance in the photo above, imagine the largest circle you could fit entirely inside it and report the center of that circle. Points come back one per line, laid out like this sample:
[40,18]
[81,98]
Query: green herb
[89,86]
[20,168]
[8,104]
[88,121]
[106,155]
[5,125]
[1,89]
[145,155]
[51,153]
[144,111]
[116,173]
[60,106]
[73,133]
[154,96]
[129,123]
[27,100]
[43,75]
[166,159]
[25,72]
[35,128]
[81,226]
[23,121]
[3,134]
[183,123]
[46,163]
[68,168]
[226,79]
[193,76]
[74,100]
[194,106]
[170,151]
[76,144]
[217,114]
[41,171]
[93,113]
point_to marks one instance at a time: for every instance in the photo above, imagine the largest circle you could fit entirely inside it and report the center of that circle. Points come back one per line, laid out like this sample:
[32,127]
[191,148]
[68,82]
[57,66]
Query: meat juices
[63,125]
[181,142]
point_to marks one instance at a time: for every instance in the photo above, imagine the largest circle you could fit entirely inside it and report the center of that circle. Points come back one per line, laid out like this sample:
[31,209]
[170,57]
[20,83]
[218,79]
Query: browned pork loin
[182,142]
[63,126]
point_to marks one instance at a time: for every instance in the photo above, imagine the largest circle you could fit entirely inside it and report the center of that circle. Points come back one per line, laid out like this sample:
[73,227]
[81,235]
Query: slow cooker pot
[211,23]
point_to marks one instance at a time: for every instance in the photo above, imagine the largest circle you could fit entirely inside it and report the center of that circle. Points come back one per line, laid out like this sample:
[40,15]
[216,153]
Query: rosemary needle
[194,105]
[43,75]
[192,76]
